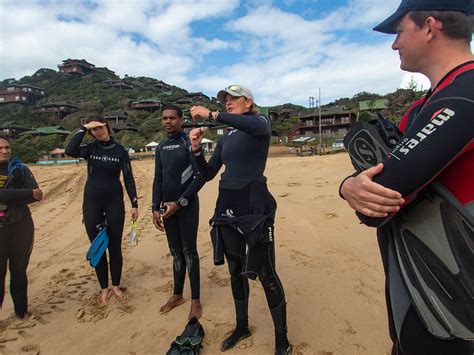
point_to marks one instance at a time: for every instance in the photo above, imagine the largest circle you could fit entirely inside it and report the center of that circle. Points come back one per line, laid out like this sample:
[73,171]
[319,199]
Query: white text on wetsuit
[171,147]
[439,118]
[104,158]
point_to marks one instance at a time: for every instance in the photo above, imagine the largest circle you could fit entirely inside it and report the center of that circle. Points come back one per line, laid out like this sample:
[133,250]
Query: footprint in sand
[77,283]
[166,288]
[301,348]
[245,344]
[44,264]
[331,215]
[55,301]
[24,325]
[294,184]
[322,196]
[30,349]
[216,279]
[56,308]
[284,194]
[300,258]
[24,334]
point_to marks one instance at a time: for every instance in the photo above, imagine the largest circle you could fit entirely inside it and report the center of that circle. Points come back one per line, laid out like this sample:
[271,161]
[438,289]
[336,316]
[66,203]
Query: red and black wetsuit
[437,145]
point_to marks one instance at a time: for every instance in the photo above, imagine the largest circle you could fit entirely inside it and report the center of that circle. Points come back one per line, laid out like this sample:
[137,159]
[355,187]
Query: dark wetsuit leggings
[181,232]
[16,244]
[94,210]
[262,256]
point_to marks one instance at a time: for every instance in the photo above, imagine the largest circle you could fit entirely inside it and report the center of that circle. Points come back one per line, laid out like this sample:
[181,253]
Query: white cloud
[282,56]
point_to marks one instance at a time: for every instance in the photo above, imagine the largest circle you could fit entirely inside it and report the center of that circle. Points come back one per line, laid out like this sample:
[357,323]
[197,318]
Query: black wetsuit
[438,144]
[243,194]
[176,177]
[103,196]
[16,233]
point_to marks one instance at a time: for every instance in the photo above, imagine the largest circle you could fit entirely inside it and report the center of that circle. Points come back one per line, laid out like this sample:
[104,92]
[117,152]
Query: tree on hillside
[130,139]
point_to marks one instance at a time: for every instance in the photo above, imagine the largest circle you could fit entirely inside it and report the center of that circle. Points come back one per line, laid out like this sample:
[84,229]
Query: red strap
[447,81]
[403,123]
[453,76]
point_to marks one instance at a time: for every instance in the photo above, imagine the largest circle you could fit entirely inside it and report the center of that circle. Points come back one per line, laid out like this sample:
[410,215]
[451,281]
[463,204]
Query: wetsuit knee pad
[269,282]
[179,261]
[190,256]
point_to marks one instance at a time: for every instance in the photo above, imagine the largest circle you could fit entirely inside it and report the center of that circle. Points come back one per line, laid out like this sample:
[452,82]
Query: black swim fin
[433,242]
[368,143]
[434,248]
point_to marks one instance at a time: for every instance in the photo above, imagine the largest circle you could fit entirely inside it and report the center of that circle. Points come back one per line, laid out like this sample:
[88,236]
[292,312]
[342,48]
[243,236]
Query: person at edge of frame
[432,37]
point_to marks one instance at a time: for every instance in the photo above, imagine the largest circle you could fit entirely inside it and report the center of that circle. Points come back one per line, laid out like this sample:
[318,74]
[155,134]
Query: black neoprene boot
[242,330]
[282,345]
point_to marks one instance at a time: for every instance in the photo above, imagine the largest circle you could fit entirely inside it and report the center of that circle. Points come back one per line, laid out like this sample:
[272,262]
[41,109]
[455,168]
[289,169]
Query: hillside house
[117,121]
[23,94]
[12,129]
[55,109]
[76,66]
[335,122]
[46,131]
[120,84]
[149,104]
[373,105]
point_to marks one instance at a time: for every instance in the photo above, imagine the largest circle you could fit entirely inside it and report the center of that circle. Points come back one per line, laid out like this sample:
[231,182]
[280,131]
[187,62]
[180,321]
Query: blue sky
[283,50]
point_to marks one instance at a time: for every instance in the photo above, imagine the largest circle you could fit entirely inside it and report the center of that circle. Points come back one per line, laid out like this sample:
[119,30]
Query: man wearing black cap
[421,197]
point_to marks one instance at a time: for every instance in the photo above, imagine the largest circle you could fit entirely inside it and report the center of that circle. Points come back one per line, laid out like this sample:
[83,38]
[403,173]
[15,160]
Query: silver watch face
[183,202]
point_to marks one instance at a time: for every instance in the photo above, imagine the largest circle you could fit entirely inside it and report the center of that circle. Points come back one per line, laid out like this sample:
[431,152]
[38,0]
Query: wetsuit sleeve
[157,196]
[443,131]
[129,180]
[74,148]
[197,183]
[23,196]
[254,125]
[208,170]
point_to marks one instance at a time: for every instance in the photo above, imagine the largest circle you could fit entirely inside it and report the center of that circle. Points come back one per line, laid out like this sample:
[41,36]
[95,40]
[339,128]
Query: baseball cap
[235,90]
[388,25]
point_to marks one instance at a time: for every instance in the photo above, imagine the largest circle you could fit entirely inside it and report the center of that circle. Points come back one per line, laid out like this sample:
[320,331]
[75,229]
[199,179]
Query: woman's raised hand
[94,124]
[199,112]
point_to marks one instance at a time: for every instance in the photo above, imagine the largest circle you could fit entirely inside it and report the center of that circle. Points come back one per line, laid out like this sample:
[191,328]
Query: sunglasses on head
[236,89]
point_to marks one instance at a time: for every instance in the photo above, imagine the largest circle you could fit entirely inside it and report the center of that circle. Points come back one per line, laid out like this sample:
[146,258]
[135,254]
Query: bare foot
[103,296]
[118,291]
[196,309]
[174,301]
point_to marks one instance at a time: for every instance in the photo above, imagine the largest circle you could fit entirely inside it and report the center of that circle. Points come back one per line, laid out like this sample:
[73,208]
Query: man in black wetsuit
[176,207]
[437,147]
[18,188]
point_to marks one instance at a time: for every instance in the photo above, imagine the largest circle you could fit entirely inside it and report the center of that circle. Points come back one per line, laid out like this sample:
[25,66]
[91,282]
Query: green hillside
[92,96]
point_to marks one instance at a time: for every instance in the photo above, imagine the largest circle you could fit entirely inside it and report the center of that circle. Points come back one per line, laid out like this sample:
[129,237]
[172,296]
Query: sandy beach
[329,264]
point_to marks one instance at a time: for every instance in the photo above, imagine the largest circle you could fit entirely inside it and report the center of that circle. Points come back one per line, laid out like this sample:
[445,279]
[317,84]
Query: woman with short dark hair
[18,188]
[103,194]
[243,221]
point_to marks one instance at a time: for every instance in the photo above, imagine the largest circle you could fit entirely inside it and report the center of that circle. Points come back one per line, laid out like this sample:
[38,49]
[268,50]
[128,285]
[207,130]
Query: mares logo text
[437,120]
